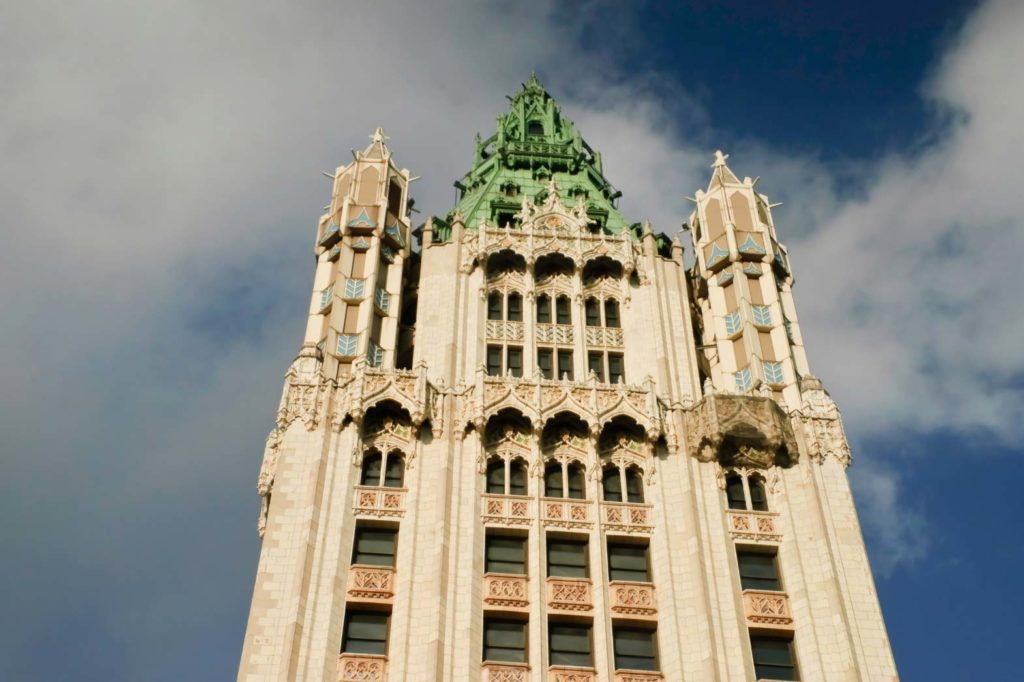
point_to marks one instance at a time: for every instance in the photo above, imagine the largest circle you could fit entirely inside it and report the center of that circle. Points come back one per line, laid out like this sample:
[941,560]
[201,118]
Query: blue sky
[160,174]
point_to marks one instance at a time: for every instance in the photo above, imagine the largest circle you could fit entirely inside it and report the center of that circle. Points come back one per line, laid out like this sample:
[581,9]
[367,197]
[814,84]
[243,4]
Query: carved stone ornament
[737,430]
[822,424]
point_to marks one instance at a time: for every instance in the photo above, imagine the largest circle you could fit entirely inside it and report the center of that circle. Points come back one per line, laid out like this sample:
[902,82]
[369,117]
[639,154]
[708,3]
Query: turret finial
[719,159]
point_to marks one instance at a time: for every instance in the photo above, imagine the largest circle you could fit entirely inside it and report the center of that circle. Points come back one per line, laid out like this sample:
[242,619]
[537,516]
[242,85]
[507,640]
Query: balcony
[636,676]
[378,502]
[625,517]
[554,333]
[569,595]
[506,672]
[502,330]
[362,668]
[563,513]
[767,610]
[564,673]
[506,510]
[506,592]
[633,599]
[372,584]
[751,525]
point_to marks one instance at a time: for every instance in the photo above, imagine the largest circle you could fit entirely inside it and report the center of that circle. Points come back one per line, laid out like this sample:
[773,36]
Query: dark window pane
[394,472]
[365,633]
[628,562]
[758,498]
[569,645]
[494,306]
[634,486]
[544,310]
[374,547]
[504,640]
[496,477]
[611,313]
[565,364]
[773,658]
[567,558]
[544,361]
[515,361]
[577,482]
[634,649]
[595,363]
[615,373]
[505,555]
[535,129]
[553,480]
[757,571]
[562,313]
[494,360]
[371,470]
[734,491]
[515,307]
[593,309]
[517,479]
[612,485]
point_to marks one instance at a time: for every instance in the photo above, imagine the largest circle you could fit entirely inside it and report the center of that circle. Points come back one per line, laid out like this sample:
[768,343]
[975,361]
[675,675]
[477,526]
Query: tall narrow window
[758,496]
[517,478]
[371,469]
[611,484]
[496,477]
[515,308]
[773,658]
[374,547]
[565,364]
[365,633]
[395,471]
[544,362]
[504,554]
[615,373]
[569,644]
[515,361]
[567,558]
[494,360]
[611,313]
[577,481]
[504,640]
[734,492]
[634,648]
[628,562]
[634,485]
[553,480]
[562,310]
[595,362]
[494,306]
[758,571]
[543,310]
[593,310]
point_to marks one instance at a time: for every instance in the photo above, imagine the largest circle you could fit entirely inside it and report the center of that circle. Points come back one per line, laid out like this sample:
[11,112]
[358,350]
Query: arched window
[562,314]
[394,472]
[611,484]
[371,469]
[611,313]
[544,309]
[593,310]
[517,478]
[577,482]
[734,492]
[758,495]
[535,129]
[494,306]
[515,308]
[496,476]
[553,480]
[634,485]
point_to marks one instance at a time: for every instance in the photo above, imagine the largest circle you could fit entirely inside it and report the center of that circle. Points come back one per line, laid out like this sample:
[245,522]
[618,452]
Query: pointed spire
[721,174]
[377,149]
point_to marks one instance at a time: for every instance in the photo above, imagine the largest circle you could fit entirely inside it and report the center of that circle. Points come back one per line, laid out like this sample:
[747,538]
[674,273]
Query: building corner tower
[540,447]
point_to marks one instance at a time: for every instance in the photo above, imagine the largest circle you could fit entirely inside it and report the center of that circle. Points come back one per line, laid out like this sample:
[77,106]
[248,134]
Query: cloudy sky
[160,185]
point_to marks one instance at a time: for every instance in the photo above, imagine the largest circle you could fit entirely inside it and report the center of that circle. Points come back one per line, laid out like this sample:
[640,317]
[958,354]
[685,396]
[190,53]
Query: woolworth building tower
[525,442]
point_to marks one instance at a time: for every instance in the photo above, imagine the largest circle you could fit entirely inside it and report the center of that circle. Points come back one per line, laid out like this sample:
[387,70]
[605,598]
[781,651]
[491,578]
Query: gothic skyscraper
[537,446]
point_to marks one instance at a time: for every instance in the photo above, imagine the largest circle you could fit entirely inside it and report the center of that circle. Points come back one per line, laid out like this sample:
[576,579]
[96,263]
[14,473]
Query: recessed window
[616,374]
[535,129]
[515,361]
[504,554]
[562,310]
[504,640]
[515,308]
[634,648]
[734,492]
[611,484]
[374,547]
[758,570]
[553,479]
[577,481]
[569,644]
[494,306]
[634,485]
[394,472]
[365,633]
[593,311]
[628,562]
[595,362]
[567,558]
[544,362]
[611,313]
[494,360]
[371,469]
[517,478]
[758,495]
[773,658]
[496,477]
[543,310]
[565,364]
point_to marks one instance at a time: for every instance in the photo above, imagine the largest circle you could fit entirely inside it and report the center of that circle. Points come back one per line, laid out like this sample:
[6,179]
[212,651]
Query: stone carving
[767,609]
[505,591]
[371,583]
[567,594]
[362,668]
[565,674]
[739,430]
[633,599]
[496,672]
[754,526]
[822,424]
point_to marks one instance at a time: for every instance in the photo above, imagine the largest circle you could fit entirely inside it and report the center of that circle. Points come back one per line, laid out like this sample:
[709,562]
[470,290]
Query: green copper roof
[533,144]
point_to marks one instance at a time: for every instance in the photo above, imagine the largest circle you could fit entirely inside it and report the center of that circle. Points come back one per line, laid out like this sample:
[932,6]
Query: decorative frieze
[375,584]
[504,330]
[362,668]
[506,592]
[633,599]
[513,511]
[610,337]
[379,502]
[554,333]
[569,595]
[625,517]
[767,610]
[560,513]
[752,525]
